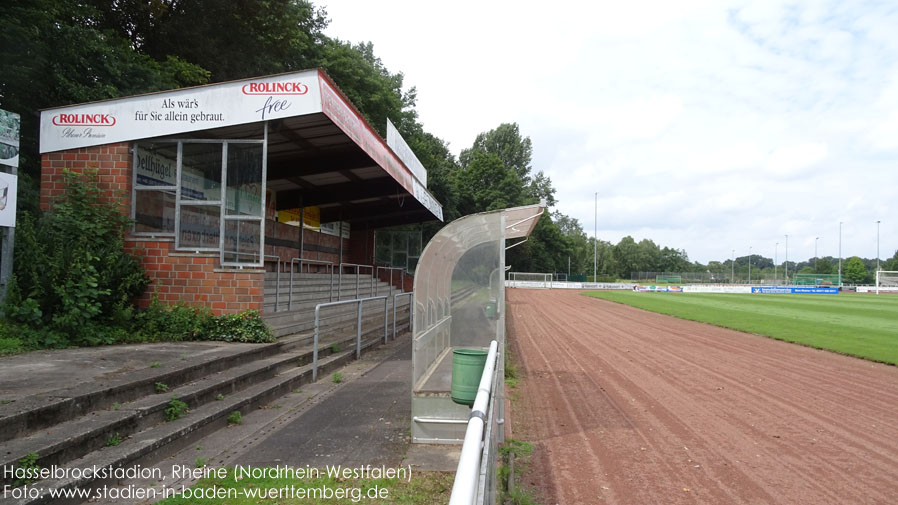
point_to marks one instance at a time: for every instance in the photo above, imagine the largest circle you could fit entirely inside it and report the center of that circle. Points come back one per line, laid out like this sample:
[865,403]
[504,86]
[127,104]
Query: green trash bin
[467,367]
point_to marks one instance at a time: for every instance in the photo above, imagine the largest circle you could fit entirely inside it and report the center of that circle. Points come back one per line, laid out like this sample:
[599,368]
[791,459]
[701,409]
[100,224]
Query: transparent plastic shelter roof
[459,290]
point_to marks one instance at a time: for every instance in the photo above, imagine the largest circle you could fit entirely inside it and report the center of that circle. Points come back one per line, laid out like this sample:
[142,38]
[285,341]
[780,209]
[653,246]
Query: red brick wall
[113,162]
[174,277]
[194,279]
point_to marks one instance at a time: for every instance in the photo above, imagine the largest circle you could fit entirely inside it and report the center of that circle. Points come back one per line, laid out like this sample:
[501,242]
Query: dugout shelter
[460,303]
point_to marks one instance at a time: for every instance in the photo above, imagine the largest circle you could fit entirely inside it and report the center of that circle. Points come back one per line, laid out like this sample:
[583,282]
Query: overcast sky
[704,125]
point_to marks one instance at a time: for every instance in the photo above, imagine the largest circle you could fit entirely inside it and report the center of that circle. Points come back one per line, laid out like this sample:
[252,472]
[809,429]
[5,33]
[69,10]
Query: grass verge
[857,325]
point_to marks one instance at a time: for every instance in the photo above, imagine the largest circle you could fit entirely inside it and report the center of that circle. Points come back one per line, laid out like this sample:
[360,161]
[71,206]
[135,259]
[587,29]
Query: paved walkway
[365,422]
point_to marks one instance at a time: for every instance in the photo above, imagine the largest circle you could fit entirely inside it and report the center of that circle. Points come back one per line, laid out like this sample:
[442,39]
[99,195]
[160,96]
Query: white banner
[10,125]
[405,153]
[180,111]
[8,185]
[719,288]
[334,228]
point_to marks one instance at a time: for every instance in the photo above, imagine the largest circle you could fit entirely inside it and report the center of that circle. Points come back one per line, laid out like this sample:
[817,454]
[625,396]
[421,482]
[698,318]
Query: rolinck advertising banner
[225,104]
[180,111]
[793,290]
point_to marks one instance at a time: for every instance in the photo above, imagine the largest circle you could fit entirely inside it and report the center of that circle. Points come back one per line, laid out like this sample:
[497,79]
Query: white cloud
[704,125]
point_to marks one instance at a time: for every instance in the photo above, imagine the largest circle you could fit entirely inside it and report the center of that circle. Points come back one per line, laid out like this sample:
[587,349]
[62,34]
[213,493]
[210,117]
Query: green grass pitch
[859,325]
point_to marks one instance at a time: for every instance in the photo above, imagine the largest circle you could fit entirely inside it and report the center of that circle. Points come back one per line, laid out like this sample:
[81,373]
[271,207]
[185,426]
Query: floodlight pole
[775,251]
[733,269]
[877,245]
[595,239]
[840,254]
[815,254]
[786,263]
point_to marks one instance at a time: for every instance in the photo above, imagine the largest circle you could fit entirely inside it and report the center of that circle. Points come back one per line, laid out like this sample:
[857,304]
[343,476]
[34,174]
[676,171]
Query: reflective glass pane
[156,164]
[400,241]
[201,172]
[242,243]
[154,211]
[399,258]
[414,243]
[199,226]
[244,196]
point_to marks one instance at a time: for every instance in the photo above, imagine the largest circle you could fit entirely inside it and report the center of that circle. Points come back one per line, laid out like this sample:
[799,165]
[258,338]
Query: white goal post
[886,280]
[530,280]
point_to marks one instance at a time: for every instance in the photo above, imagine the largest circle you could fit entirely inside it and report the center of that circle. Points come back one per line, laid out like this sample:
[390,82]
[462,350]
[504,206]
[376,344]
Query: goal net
[676,279]
[530,280]
[886,280]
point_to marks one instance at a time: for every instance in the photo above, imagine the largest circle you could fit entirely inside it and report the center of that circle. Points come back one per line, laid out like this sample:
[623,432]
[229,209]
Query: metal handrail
[391,269]
[309,262]
[411,318]
[277,289]
[358,268]
[464,488]
[358,345]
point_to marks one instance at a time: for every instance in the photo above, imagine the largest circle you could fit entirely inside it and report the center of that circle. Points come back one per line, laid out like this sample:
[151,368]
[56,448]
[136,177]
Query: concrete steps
[84,437]
[309,290]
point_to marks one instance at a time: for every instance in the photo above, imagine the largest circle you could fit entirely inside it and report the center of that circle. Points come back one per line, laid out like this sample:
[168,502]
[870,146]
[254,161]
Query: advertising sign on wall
[779,290]
[10,125]
[311,217]
[8,184]
[180,111]
[405,153]
[334,228]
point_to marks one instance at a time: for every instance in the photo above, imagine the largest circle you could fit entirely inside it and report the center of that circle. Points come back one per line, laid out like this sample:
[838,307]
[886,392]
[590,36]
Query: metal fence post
[290,296]
[315,347]
[386,318]
[358,343]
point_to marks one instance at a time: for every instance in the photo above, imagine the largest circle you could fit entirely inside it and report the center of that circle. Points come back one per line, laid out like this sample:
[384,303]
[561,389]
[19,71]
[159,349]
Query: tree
[59,53]
[891,264]
[823,266]
[626,257]
[505,142]
[854,271]
[486,184]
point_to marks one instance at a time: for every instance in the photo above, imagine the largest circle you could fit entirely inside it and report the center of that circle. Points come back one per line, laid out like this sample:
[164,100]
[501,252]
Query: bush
[246,326]
[72,280]
[73,283]
[171,323]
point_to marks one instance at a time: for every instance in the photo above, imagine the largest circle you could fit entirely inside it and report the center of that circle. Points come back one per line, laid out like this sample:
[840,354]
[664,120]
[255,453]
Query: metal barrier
[358,345]
[411,320]
[277,289]
[357,276]
[401,270]
[309,262]
[468,473]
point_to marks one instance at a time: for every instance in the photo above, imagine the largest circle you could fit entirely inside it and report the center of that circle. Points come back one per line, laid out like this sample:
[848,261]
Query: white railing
[358,269]
[467,475]
[277,289]
[303,261]
[391,269]
[411,303]
[358,345]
